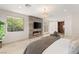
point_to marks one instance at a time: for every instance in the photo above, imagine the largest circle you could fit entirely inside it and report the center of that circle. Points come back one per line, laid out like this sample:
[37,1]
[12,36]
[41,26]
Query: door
[61,27]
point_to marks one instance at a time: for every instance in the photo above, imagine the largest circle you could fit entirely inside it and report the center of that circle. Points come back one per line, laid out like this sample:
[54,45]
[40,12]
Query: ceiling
[54,10]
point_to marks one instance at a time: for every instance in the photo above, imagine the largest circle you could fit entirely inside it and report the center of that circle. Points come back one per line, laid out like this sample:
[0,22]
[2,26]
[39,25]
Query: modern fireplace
[35,26]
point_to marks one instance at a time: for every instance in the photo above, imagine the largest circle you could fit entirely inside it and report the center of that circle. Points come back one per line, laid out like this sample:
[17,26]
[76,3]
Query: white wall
[53,26]
[14,36]
[75,24]
[72,25]
[68,25]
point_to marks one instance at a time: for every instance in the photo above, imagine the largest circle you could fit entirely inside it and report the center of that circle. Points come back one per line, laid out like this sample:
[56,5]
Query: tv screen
[37,25]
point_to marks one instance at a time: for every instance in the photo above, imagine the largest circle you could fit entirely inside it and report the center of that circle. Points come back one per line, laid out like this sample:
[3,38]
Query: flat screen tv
[37,25]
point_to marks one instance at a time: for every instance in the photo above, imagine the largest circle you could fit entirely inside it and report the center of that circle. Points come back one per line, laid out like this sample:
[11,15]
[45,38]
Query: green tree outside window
[15,24]
[2,30]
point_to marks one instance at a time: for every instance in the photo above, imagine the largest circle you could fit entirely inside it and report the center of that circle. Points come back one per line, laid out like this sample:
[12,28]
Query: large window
[2,30]
[15,24]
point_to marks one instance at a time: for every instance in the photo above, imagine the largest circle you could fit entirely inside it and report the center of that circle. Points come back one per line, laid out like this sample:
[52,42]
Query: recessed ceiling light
[27,5]
[19,7]
[65,10]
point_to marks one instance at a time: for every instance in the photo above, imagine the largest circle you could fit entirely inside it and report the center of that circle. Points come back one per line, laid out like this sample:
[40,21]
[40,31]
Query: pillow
[72,38]
[61,46]
[75,46]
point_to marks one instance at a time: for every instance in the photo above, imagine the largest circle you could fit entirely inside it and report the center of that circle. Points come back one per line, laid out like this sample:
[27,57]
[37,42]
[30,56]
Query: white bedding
[63,46]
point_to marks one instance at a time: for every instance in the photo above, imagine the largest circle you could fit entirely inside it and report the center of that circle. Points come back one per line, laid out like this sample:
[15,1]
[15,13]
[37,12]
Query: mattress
[63,46]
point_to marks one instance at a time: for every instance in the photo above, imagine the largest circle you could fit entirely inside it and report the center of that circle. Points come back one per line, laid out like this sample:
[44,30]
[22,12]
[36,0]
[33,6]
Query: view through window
[15,24]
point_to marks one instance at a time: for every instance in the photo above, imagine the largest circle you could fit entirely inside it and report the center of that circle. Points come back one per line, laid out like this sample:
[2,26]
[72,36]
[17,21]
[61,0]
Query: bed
[37,47]
[63,46]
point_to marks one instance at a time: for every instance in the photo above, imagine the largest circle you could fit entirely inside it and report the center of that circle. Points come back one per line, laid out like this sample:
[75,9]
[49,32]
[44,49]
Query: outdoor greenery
[15,24]
[2,30]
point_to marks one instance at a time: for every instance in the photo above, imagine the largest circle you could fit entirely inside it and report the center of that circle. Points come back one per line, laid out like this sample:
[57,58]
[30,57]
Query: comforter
[63,46]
